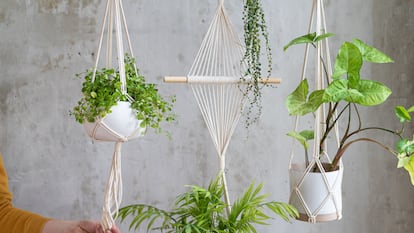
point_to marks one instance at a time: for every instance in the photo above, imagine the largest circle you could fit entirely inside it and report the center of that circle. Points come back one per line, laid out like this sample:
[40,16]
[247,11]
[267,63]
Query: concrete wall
[55,170]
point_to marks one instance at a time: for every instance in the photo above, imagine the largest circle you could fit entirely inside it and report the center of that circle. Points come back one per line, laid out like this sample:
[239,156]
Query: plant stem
[341,151]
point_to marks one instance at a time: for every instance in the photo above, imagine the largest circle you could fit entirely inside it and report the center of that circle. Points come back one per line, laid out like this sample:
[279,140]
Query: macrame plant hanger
[303,176]
[114,20]
[215,79]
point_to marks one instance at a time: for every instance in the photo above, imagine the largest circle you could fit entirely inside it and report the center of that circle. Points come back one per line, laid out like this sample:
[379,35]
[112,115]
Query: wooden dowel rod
[184,79]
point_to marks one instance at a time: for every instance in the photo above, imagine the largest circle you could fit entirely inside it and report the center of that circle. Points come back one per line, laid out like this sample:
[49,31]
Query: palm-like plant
[202,210]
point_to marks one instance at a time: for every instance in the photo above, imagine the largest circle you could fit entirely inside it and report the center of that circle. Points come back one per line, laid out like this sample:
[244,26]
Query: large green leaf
[370,93]
[338,90]
[297,102]
[371,54]
[402,114]
[348,61]
[366,92]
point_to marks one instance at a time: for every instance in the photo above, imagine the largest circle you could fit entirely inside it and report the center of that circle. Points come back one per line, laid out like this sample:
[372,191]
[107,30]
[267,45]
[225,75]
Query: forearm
[13,220]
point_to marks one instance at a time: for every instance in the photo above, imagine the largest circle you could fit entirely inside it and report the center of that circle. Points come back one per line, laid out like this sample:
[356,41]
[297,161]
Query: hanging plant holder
[119,122]
[217,79]
[316,195]
[316,190]
[120,125]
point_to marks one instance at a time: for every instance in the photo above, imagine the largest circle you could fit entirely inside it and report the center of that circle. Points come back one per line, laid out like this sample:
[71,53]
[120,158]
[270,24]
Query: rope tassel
[113,191]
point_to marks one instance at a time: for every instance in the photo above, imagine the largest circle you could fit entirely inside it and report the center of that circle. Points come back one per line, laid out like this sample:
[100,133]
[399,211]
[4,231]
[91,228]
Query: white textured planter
[311,195]
[120,125]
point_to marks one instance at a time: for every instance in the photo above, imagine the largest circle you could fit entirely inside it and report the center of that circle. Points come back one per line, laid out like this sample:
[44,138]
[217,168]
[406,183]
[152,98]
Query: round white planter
[120,125]
[317,199]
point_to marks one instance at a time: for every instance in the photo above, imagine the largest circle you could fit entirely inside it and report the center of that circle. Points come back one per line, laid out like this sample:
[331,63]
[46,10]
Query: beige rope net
[305,181]
[215,79]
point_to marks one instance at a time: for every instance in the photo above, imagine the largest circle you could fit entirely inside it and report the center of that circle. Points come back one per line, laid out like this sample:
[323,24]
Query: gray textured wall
[55,170]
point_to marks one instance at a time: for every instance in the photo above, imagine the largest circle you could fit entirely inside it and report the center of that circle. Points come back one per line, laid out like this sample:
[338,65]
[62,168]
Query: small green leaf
[297,102]
[409,167]
[405,147]
[323,36]
[302,140]
[308,38]
[93,94]
[411,109]
[402,114]
[371,54]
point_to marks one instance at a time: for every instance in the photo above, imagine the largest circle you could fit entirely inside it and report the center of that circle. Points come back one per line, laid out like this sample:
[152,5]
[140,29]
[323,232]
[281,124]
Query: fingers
[114,229]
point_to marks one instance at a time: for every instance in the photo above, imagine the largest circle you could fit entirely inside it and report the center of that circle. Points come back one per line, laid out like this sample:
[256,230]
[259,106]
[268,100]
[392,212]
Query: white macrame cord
[322,54]
[114,19]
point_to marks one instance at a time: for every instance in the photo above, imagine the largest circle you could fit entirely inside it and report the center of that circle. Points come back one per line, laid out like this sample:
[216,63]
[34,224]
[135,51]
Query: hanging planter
[318,198]
[117,104]
[120,123]
[336,96]
[110,115]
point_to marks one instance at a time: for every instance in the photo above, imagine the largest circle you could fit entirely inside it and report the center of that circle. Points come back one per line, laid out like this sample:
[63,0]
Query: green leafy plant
[105,91]
[202,210]
[342,97]
[255,33]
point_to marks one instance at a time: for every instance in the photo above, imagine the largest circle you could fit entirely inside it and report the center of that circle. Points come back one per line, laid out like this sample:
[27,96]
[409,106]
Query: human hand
[85,226]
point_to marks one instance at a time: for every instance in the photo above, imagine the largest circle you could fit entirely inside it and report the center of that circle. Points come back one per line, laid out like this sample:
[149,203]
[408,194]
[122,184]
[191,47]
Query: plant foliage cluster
[344,94]
[202,210]
[104,92]
[255,35]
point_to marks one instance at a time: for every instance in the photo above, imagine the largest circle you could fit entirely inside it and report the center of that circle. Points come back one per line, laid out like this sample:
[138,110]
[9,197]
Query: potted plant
[202,210]
[126,114]
[341,98]
[255,35]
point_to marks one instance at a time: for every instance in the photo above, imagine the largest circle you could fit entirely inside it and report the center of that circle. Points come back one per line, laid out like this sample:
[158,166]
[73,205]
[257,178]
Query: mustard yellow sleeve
[13,220]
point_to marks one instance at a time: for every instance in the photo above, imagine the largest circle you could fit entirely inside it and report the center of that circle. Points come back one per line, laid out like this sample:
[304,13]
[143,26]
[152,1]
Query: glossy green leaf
[371,54]
[405,147]
[409,167]
[369,93]
[302,137]
[337,91]
[297,102]
[402,114]
[411,109]
[348,61]
[308,38]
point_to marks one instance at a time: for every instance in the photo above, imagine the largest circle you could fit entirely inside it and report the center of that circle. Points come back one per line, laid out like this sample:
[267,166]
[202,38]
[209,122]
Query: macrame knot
[312,219]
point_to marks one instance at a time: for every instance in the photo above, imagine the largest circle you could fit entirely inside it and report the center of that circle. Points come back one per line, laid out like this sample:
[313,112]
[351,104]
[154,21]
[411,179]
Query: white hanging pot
[120,125]
[316,198]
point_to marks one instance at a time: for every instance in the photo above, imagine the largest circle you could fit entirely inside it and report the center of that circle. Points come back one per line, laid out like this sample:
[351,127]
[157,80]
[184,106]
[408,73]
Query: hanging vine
[255,35]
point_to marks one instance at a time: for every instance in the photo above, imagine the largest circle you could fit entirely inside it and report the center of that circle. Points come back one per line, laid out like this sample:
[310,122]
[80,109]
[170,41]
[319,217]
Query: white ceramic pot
[322,198]
[121,124]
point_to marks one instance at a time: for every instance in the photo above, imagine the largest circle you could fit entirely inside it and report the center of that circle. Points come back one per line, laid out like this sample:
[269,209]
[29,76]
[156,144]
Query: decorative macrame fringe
[113,190]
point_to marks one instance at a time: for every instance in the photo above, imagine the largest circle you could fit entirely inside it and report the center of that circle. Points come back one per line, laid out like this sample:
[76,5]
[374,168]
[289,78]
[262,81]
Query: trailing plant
[342,98]
[202,210]
[104,92]
[255,35]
